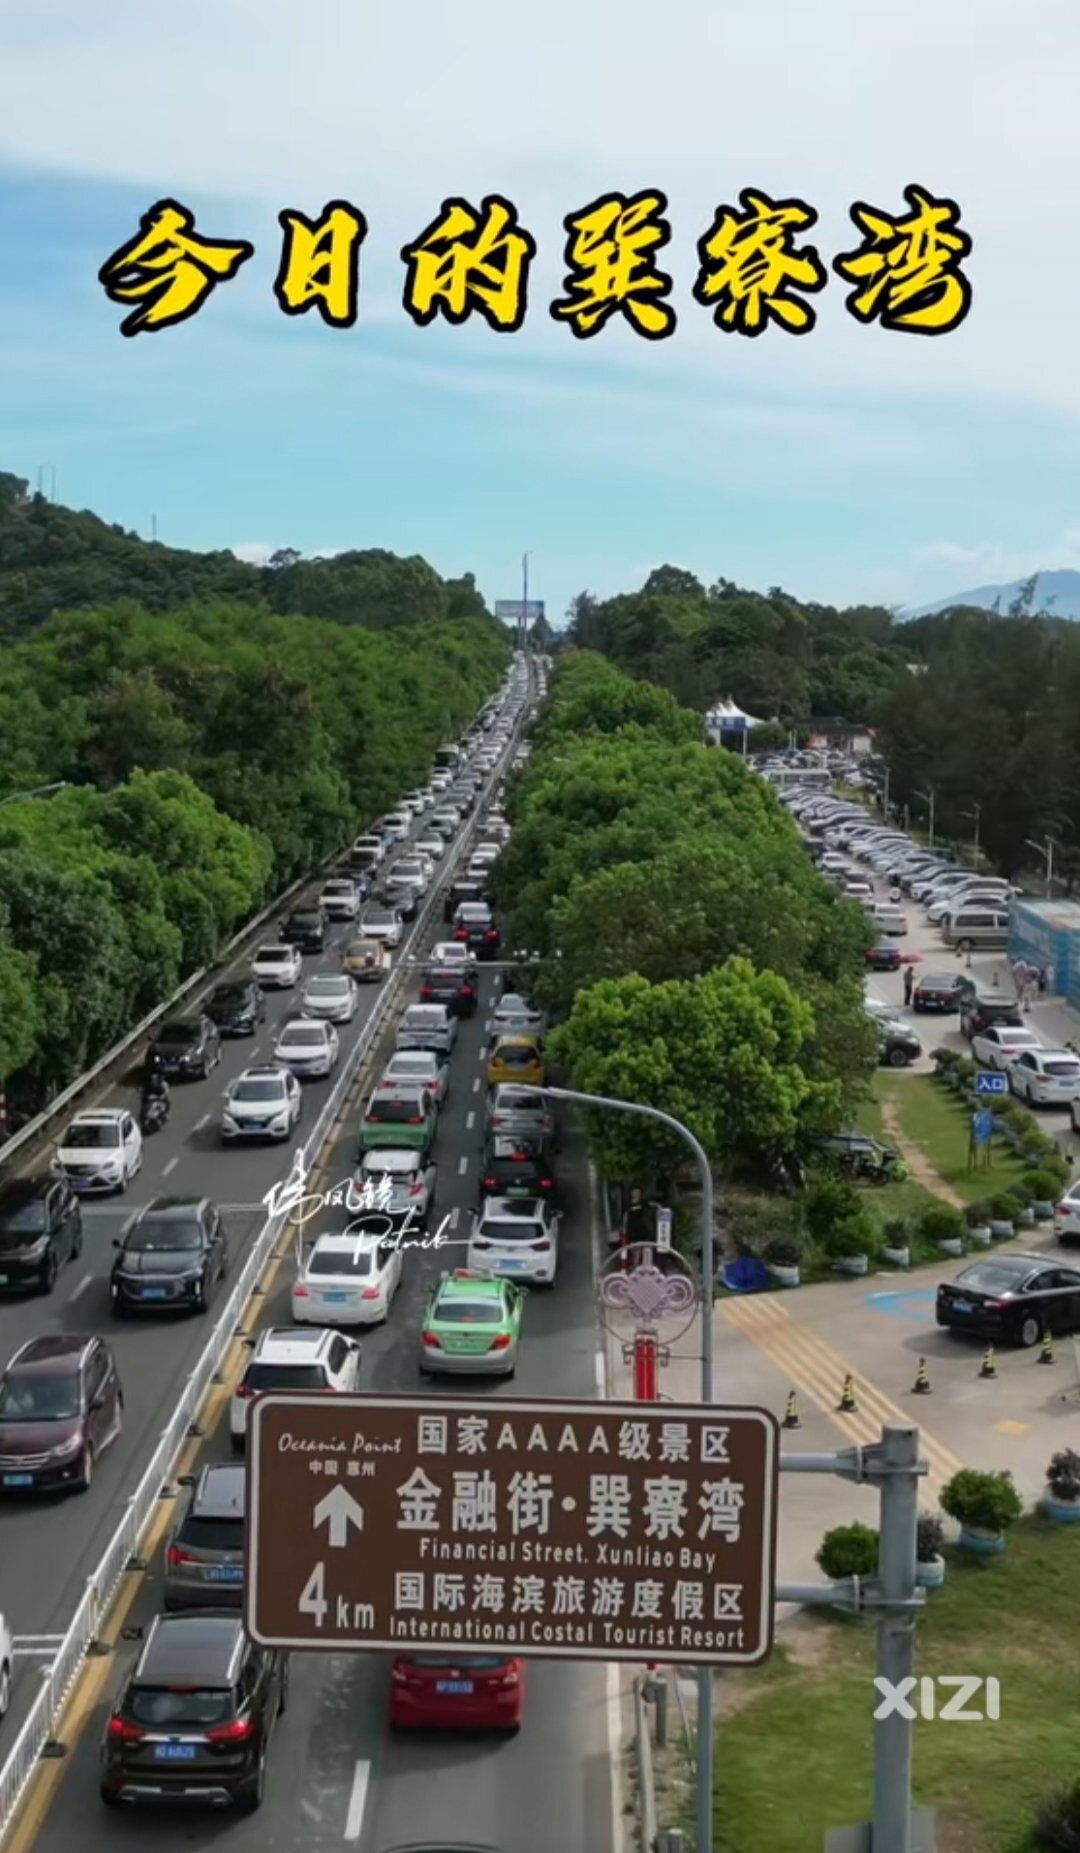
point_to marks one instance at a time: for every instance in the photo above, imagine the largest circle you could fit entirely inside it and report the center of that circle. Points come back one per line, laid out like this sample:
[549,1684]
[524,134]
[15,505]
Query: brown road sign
[575,1531]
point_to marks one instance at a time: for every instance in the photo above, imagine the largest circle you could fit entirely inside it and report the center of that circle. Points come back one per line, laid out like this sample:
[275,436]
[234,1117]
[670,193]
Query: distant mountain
[1057,595]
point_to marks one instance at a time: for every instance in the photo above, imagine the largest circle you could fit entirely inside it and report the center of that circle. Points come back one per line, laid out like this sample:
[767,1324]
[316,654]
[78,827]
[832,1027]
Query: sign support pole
[891,1831]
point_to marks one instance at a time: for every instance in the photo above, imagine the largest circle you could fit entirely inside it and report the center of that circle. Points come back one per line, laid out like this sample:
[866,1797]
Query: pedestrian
[1044,980]
[909,984]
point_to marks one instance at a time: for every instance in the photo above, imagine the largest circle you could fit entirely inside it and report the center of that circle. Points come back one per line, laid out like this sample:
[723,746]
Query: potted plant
[977,1217]
[930,1564]
[944,1061]
[1062,1500]
[1044,1194]
[984,1506]
[1003,1213]
[850,1243]
[848,1550]
[895,1245]
[1023,1214]
[782,1258]
[943,1227]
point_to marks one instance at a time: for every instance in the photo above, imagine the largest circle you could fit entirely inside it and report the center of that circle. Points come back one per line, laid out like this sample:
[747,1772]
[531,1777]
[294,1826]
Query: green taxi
[472,1324]
[399,1113]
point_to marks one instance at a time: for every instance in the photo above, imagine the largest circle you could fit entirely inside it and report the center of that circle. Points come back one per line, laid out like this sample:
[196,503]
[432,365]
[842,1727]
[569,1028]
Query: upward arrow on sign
[338,1511]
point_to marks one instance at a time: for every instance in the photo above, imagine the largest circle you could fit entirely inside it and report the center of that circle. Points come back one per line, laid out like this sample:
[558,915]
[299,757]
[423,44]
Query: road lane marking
[171,1166]
[199,1124]
[354,1820]
[819,1371]
[454,1214]
[462,1166]
[77,1292]
[470,1121]
[476,1085]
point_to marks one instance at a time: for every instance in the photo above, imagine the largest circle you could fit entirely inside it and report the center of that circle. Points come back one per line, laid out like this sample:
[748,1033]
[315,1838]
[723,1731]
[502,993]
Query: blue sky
[850,464]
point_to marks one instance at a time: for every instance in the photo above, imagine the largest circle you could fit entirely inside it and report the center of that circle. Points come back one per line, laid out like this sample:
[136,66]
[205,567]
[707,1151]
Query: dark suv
[899,1045]
[452,985]
[237,1009]
[980,1013]
[172,1257]
[187,1048]
[196,1717]
[61,1404]
[204,1564]
[40,1229]
[460,890]
[518,1167]
[306,930]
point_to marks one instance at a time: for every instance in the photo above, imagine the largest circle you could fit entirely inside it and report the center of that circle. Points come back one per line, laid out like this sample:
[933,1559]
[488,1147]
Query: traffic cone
[1046,1355]
[922,1385]
[989,1363]
[847,1404]
[791,1413]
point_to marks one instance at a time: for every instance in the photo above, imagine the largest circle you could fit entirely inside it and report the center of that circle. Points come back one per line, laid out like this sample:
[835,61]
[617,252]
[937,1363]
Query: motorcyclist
[155,1096]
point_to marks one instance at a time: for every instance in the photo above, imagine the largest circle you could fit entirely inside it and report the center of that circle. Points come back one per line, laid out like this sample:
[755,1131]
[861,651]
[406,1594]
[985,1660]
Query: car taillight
[370,1293]
[500,1343]
[232,1733]
[492,933]
[461,932]
[416,1190]
[432,1342]
[299,1292]
[1063,1209]
[547,1183]
[540,1247]
[123,1732]
[996,1306]
[489,1184]
[175,1557]
[244,1392]
[425,992]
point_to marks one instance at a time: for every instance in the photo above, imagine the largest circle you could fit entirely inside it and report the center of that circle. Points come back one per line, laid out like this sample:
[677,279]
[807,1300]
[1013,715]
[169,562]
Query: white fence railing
[40,1724]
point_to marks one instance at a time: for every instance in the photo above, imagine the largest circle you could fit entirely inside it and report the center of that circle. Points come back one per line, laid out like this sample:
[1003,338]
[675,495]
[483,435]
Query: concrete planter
[931,1574]
[982,1543]
[1001,1231]
[953,1245]
[853,1264]
[1062,1511]
[980,1236]
[899,1257]
[783,1276]
[1044,1212]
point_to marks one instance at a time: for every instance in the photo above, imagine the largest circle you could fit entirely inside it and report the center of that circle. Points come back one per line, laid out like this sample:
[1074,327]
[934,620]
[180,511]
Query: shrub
[783,1252]
[1043,1186]
[966,1070]
[848,1550]
[896,1232]
[1003,1208]
[985,1501]
[1063,1474]
[854,1236]
[941,1223]
[944,1059]
[827,1202]
[753,1224]
[931,1536]
[1020,1194]
[977,1215]
[1057,1828]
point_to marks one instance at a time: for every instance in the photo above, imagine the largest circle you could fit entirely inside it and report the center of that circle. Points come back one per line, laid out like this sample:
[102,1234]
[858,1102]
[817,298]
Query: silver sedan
[332,998]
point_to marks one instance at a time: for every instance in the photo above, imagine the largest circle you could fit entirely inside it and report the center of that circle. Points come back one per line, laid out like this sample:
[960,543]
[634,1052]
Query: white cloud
[254,552]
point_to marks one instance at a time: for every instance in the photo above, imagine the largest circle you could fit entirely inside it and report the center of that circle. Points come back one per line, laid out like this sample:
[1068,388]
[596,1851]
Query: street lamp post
[928,797]
[1046,851]
[525,599]
[36,791]
[975,816]
[704,1771]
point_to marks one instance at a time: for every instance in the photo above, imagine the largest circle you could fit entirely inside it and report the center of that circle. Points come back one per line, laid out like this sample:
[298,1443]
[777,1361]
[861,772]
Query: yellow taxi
[517,1060]
[366,960]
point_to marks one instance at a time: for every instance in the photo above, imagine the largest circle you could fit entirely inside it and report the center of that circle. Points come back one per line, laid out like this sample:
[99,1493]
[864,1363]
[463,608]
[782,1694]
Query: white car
[7,1661]
[262,1103]
[346,1280]
[858,890]
[518,1236]
[1045,1077]
[426,1067]
[382,923]
[334,997]
[100,1151]
[309,1047]
[939,911]
[409,872]
[1067,1209]
[397,1182]
[431,844]
[427,1026]
[515,1016]
[451,952]
[892,921]
[370,845]
[290,1360]
[1001,1043]
[277,968]
[340,899]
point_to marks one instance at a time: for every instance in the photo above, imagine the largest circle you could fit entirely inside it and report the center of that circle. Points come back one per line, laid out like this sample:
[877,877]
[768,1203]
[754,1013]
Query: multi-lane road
[337,1776]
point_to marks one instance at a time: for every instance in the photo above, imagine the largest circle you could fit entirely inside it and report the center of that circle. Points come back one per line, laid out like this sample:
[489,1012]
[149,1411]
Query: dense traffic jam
[199,1708]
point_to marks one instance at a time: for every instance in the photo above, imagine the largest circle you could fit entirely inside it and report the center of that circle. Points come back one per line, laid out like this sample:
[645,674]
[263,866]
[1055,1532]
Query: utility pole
[975,816]
[928,797]
[885,795]
[524,639]
[1046,851]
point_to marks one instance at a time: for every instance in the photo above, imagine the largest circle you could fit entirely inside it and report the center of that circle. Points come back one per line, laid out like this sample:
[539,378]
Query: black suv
[196,1716]
[981,1013]
[452,985]
[462,890]
[306,929]
[40,1228]
[187,1048]
[518,1167]
[237,1009]
[899,1045]
[171,1258]
[204,1564]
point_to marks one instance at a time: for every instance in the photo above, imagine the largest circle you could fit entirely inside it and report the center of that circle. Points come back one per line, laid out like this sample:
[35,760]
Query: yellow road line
[814,1367]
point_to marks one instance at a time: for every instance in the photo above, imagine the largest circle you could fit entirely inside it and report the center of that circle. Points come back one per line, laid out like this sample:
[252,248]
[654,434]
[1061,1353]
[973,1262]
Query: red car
[465,1692]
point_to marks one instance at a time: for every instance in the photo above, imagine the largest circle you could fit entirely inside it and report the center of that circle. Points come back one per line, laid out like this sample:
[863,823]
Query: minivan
[985,929]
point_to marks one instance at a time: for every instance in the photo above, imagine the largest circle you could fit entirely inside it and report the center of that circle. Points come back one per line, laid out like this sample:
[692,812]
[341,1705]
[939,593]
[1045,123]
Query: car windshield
[497,1230]
[420,1064]
[273,955]
[396,1112]
[419,1017]
[163,1232]
[1063,1067]
[228,996]
[26,1218]
[257,1090]
[989,1277]
[213,1534]
[382,1164]
[327,987]
[512,1006]
[26,1398]
[306,922]
[937,981]
[470,1312]
[91,1135]
[352,1263]
[515,1058]
[183,1030]
[303,1034]
[166,1707]
[384,918]
[285,1377]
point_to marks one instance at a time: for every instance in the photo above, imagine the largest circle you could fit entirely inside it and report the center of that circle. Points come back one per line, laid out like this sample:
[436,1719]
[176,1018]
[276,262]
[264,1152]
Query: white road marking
[171,1166]
[476,1085]
[27,1653]
[454,1214]
[199,1124]
[601,1375]
[354,1820]
[462,1166]
[483,1055]
[28,1640]
[470,1121]
[72,1297]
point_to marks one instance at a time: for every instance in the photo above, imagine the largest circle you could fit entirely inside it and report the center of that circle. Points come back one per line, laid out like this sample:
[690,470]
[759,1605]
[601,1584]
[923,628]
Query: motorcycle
[154,1113]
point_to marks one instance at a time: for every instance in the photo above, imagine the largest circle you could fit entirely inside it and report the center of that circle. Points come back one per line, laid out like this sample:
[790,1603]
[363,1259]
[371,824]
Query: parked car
[900,1046]
[940,992]
[890,920]
[975,928]
[204,1560]
[41,1228]
[1012,1299]
[187,1048]
[237,1008]
[61,1406]
[1045,1077]
[884,957]
[997,1046]
[1067,1212]
[196,1717]
[978,1011]
[100,1151]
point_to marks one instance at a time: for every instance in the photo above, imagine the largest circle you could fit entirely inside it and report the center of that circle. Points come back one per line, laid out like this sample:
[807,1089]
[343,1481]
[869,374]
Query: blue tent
[746,1275]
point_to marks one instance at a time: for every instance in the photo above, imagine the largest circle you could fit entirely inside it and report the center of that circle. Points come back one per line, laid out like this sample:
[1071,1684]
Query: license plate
[226,1573]
[154,1293]
[458,1687]
[962,1306]
[335,1299]
[18,1479]
[512,1264]
[174,1753]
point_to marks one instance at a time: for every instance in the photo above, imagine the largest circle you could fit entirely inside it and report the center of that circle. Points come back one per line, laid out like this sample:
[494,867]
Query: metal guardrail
[122,1553]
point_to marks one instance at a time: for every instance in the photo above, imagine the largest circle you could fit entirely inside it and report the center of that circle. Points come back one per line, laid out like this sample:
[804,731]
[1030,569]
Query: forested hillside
[211,749]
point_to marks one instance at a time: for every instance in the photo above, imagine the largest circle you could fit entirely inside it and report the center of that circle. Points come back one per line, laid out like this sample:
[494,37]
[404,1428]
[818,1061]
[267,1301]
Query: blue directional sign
[987,1082]
[983,1125]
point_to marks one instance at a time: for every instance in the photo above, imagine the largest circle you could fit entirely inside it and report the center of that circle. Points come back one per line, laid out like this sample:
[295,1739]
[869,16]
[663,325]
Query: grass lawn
[793,1747]
[933,1119]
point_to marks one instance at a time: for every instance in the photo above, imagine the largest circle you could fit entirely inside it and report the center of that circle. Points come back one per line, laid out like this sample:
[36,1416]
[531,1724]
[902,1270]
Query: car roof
[472,1287]
[275,952]
[172,1209]
[391,1158]
[219,1492]
[266,1071]
[346,1242]
[99,1116]
[52,1352]
[515,1042]
[302,1022]
[511,1209]
[292,1344]
[193,1649]
[401,1089]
